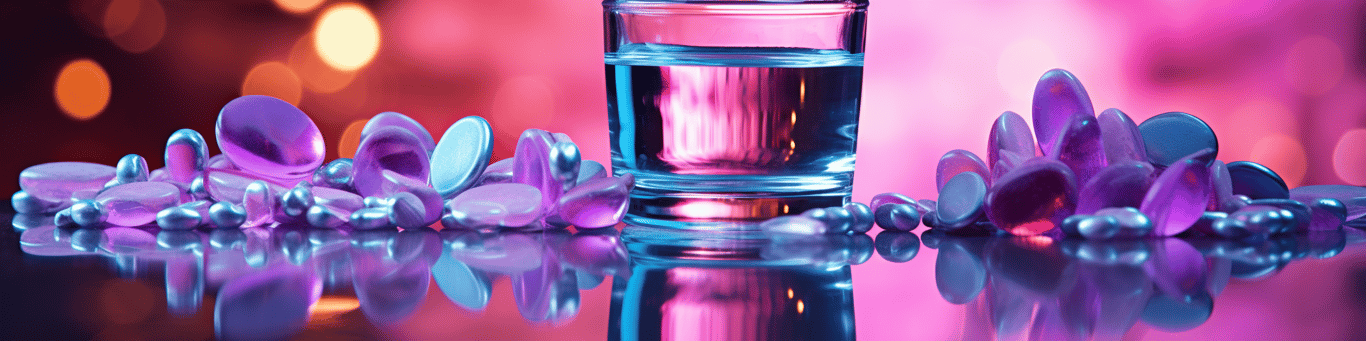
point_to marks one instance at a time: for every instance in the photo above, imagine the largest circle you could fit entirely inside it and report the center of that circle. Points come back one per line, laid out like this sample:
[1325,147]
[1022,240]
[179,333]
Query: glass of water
[733,111]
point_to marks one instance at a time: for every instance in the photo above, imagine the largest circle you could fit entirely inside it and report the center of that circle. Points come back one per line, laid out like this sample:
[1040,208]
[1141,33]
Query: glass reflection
[1071,289]
[736,286]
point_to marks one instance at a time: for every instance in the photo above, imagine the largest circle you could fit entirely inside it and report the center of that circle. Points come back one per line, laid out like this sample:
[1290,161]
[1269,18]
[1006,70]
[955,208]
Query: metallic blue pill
[897,217]
[225,214]
[461,156]
[87,213]
[131,168]
[1256,181]
[178,218]
[1171,136]
[961,201]
[862,217]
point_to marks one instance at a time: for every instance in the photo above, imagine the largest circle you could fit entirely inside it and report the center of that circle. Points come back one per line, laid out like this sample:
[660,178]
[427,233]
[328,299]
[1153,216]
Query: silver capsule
[63,218]
[564,163]
[25,203]
[87,213]
[179,218]
[336,174]
[225,214]
[201,206]
[296,201]
[374,202]
[197,189]
[321,216]
[370,218]
[131,168]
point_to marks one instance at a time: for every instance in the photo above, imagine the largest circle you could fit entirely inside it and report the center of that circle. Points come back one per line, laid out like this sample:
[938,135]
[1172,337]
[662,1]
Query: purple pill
[1119,185]
[229,185]
[1179,195]
[1121,138]
[137,203]
[958,161]
[1057,97]
[1221,189]
[511,205]
[596,203]
[269,136]
[889,198]
[1010,143]
[337,200]
[220,161]
[1353,197]
[1079,147]
[532,166]
[1033,198]
[393,149]
[56,181]
[589,170]
[498,172]
[393,119]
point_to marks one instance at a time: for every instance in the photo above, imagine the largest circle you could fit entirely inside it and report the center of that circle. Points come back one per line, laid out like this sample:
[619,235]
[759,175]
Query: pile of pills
[272,172]
[1100,177]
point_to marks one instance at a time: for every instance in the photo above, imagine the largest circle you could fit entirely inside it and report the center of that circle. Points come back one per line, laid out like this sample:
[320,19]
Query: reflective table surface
[640,283]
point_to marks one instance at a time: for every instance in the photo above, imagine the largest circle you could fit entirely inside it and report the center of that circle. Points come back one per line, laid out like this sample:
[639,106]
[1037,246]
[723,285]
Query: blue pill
[961,201]
[1171,136]
[461,156]
[1257,181]
[897,217]
[862,217]
[897,246]
[225,214]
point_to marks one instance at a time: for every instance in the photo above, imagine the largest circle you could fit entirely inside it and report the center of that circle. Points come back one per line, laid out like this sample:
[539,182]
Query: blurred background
[1281,82]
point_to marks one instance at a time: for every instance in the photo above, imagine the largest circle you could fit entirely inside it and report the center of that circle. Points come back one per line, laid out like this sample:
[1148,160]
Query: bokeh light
[317,76]
[273,79]
[327,307]
[350,138]
[1282,154]
[346,36]
[1349,157]
[1314,65]
[135,25]
[298,6]
[82,89]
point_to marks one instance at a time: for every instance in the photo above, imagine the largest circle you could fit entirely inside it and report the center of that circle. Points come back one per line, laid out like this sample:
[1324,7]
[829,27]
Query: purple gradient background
[1280,82]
